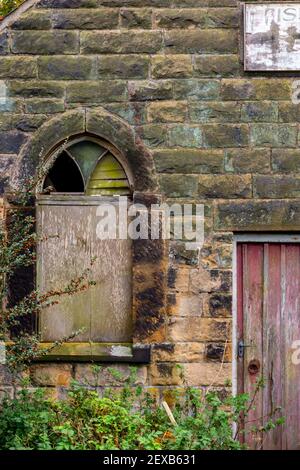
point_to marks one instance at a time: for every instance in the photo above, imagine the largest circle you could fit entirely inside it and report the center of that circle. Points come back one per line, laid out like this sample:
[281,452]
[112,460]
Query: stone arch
[95,122]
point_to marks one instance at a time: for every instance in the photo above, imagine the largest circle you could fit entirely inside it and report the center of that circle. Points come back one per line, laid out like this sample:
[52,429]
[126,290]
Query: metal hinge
[241,348]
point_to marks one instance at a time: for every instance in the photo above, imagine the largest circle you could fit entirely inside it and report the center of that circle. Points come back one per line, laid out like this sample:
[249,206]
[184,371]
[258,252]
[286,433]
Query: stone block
[276,187]
[18,67]
[216,256]
[136,18]
[72,3]
[51,374]
[277,215]
[45,42]
[4,49]
[96,91]
[167,111]
[21,122]
[67,68]
[196,18]
[133,113]
[225,186]
[186,305]
[194,41]
[185,136]
[171,66]
[210,280]
[34,19]
[274,135]
[218,352]
[188,161]
[226,65]
[36,89]
[116,42]
[124,66]
[195,89]
[237,89]
[153,135]
[108,375]
[272,89]
[87,18]
[179,352]
[11,142]
[179,254]
[207,374]
[179,186]
[41,105]
[165,374]
[150,90]
[264,111]
[179,278]
[288,112]
[286,160]
[245,160]
[214,111]
[190,329]
[225,135]
[256,89]
[220,305]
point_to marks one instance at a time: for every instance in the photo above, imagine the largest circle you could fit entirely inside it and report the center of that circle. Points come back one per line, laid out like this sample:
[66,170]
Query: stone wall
[172,70]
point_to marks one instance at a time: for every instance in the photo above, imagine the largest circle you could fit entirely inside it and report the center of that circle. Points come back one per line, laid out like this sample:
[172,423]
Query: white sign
[272,37]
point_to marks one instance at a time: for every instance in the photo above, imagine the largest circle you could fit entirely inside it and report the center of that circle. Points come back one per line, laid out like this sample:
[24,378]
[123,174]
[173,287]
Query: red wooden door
[268,322]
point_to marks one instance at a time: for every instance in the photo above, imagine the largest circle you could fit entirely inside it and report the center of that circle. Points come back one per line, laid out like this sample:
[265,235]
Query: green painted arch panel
[108,178]
[99,170]
[86,153]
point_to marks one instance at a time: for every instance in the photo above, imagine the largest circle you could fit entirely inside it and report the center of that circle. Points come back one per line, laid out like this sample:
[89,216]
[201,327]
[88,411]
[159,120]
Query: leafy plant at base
[119,420]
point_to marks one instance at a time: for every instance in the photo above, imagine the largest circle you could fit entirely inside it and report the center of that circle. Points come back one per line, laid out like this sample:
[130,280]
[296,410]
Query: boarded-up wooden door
[268,311]
[68,241]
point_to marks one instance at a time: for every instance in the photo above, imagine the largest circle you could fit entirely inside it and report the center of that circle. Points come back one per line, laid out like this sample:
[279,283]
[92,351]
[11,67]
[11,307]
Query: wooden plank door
[67,243]
[268,326]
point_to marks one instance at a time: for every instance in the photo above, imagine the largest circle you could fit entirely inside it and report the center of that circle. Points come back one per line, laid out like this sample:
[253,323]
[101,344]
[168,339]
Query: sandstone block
[179,186]
[174,66]
[225,135]
[185,136]
[137,18]
[18,67]
[66,68]
[125,66]
[116,42]
[167,111]
[86,18]
[225,186]
[51,374]
[246,160]
[201,41]
[45,42]
[226,65]
[188,161]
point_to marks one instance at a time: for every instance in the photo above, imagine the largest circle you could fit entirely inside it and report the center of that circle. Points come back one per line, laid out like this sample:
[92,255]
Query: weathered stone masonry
[172,71]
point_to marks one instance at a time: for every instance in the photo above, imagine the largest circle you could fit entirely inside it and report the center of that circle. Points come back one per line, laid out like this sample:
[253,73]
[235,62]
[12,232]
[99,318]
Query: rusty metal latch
[241,348]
